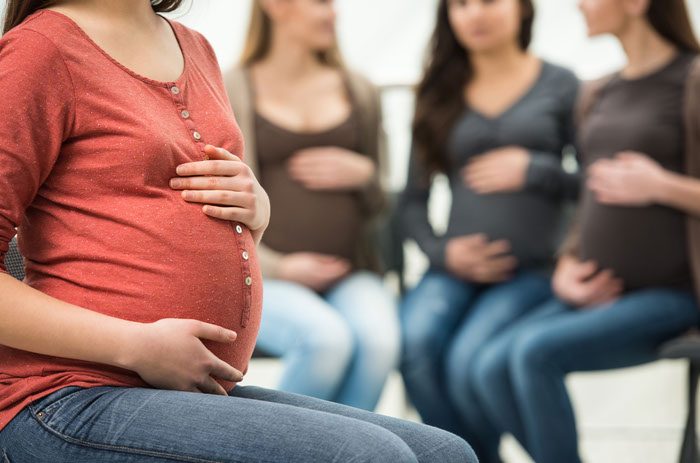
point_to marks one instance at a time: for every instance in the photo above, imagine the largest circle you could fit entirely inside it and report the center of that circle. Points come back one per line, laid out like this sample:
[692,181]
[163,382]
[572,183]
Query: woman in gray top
[494,119]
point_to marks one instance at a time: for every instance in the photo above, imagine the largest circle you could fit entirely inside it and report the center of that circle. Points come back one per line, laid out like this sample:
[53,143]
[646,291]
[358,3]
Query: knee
[331,340]
[530,353]
[460,373]
[448,448]
[375,445]
[491,370]
[420,337]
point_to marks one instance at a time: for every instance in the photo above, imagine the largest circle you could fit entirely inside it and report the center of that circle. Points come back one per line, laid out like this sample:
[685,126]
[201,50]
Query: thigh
[425,441]
[497,308]
[432,310]
[367,305]
[290,313]
[624,333]
[110,424]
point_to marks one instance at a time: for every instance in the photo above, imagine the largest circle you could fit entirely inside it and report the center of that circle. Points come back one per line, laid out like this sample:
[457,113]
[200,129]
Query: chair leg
[689,449]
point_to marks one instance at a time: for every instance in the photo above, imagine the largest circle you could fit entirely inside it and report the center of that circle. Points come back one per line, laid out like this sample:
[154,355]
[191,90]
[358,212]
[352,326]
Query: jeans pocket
[54,400]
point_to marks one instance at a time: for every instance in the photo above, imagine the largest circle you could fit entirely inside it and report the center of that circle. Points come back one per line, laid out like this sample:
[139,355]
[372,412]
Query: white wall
[386,38]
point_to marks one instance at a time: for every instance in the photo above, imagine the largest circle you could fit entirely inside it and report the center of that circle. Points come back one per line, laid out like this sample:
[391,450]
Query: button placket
[248,281]
[186,118]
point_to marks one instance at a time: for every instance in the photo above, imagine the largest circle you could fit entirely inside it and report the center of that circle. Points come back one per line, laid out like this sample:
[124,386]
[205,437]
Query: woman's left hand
[501,170]
[227,188]
[331,168]
[629,179]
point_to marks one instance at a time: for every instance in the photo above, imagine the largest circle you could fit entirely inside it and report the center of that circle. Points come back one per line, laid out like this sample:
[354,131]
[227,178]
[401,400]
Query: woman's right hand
[581,284]
[169,354]
[313,270]
[474,258]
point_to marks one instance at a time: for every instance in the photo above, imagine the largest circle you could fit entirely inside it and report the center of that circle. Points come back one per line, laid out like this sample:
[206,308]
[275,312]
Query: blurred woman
[313,135]
[495,120]
[624,283]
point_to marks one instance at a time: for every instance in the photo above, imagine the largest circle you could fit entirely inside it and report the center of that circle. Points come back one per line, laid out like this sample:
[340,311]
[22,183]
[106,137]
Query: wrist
[662,191]
[126,351]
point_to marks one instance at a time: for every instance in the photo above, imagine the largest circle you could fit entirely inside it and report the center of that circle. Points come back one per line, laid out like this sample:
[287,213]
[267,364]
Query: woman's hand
[168,354]
[474,258]
[502,170]
[331,168]
[227,187]
[630,179]
[581,285]
[316,271]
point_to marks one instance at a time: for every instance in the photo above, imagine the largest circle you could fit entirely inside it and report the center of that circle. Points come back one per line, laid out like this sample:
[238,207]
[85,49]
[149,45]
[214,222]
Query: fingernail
[179,169]
[175,183]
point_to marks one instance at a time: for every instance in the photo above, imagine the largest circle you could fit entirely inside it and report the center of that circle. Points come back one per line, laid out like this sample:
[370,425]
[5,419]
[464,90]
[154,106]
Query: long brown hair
[671,20]
[259,40]
[17,10]
[439,97]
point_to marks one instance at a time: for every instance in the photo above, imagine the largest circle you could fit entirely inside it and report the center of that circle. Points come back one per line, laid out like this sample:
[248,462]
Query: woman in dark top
[119,163]
[623,283]
[494,119]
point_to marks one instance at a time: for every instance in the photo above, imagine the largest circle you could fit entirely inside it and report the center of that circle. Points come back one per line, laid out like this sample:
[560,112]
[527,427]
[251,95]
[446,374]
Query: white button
[248,281]
[245,255]
[175,90]
[239,229]
[185,114]
[197,136]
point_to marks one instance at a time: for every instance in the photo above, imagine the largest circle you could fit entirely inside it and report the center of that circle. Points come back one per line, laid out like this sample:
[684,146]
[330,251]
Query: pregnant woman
[627,279]
[313,138]
[494,119]
[120,162]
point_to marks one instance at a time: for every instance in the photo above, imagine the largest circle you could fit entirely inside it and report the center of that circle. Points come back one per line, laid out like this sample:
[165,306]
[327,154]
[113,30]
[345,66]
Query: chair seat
[684,347]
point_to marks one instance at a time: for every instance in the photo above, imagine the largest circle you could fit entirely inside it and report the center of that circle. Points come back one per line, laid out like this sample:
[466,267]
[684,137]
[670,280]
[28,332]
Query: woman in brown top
[623,284]
[313,136]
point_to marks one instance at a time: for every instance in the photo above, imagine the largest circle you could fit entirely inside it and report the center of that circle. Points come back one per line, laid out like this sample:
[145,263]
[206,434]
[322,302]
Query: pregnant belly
[646,247]
[157,263]
[531,223]
[303,220]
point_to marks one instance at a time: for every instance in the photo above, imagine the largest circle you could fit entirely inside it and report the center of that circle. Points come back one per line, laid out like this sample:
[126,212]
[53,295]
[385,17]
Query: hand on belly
[227,187]
[583,284]
[475,259]
[169,354]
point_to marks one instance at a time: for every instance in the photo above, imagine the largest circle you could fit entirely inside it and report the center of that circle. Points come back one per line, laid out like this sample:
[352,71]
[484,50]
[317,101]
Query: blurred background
[629,415]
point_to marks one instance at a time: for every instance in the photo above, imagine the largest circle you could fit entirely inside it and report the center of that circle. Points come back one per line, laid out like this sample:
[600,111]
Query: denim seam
[50,407]
[124,449]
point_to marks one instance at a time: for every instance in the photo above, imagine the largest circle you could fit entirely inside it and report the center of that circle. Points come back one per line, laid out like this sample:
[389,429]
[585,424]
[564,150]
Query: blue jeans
[520,374]
[339,346]
[128,425]
[446,322]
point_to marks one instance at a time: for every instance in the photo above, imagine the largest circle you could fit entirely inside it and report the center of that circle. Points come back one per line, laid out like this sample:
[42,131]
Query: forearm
[680,192]
[35,322]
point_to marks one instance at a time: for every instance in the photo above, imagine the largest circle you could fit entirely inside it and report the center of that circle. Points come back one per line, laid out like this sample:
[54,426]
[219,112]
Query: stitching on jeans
[5,458]
[48,408]
[124,449]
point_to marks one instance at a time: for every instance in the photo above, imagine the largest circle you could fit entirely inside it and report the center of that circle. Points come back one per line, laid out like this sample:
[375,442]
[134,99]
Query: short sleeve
[38,100]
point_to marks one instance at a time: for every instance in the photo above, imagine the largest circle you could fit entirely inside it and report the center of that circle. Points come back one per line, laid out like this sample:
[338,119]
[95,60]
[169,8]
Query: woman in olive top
[495,119]
[624,283]
[313,135]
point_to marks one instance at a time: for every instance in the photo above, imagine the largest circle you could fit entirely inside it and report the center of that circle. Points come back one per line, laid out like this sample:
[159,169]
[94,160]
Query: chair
[687,347]
[14,262]
[389,241]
